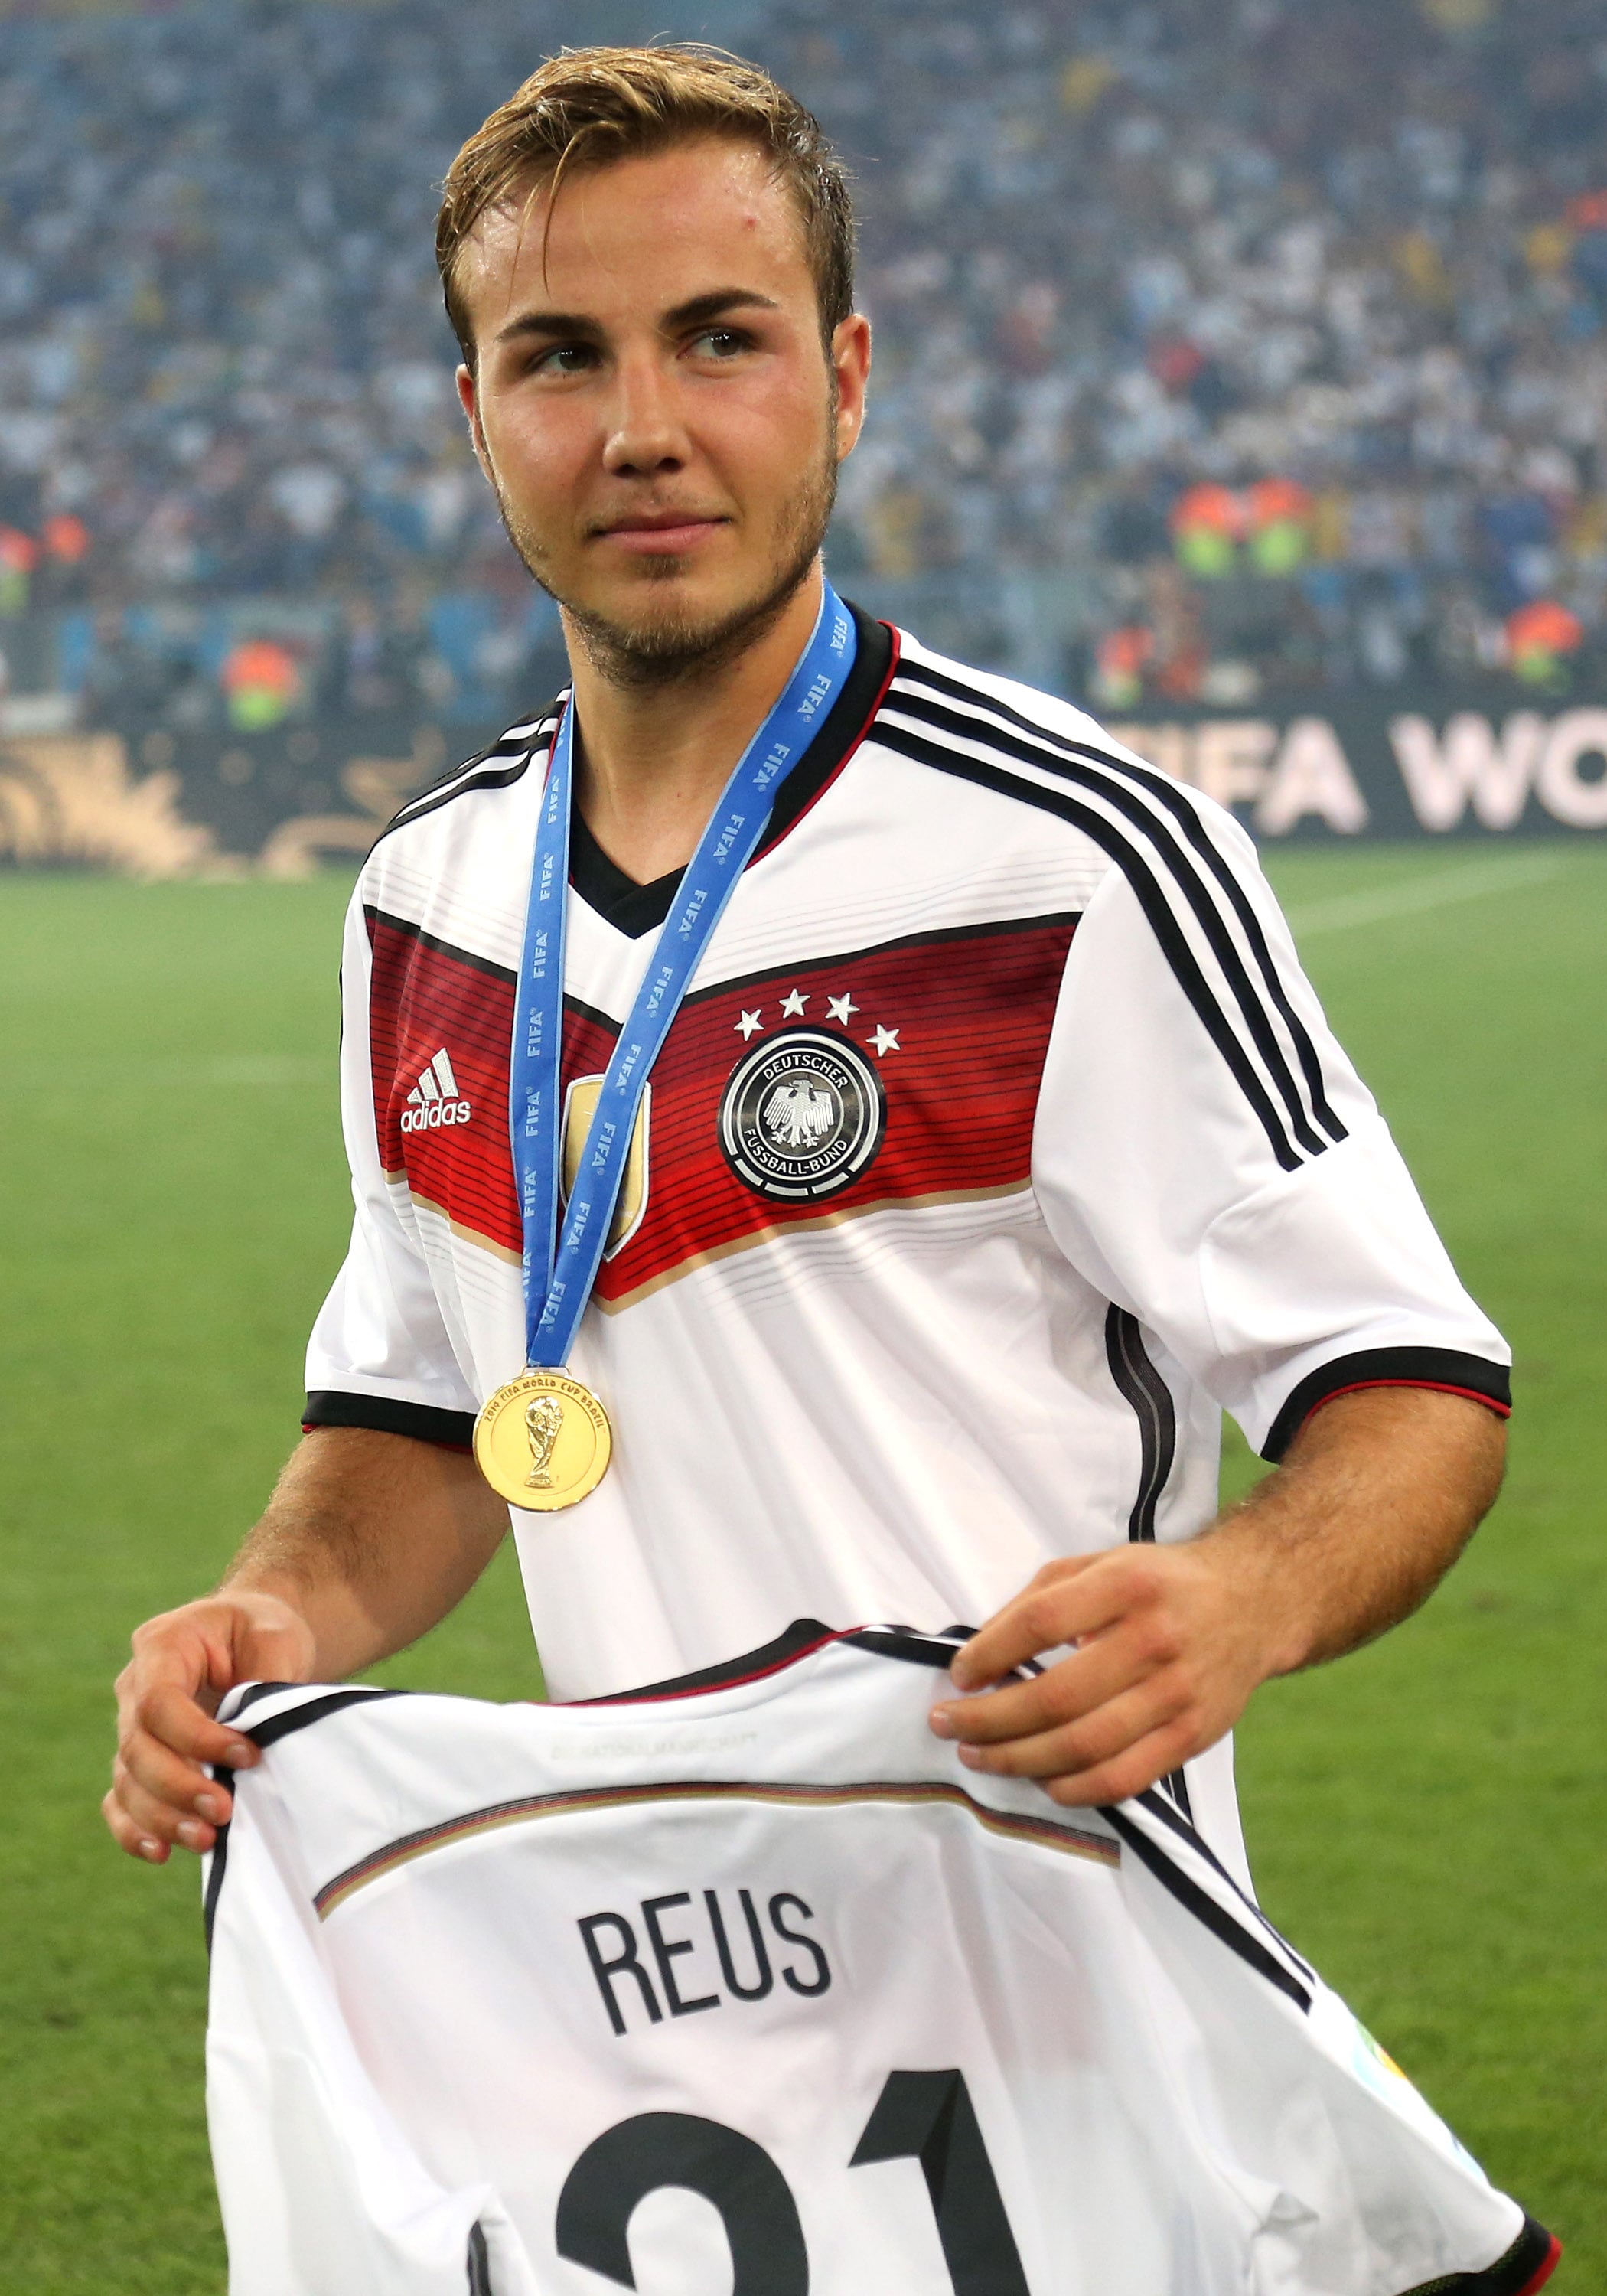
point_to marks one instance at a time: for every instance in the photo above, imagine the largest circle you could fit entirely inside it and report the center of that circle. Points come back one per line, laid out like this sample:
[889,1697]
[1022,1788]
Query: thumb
[273,1641]
[263,1639]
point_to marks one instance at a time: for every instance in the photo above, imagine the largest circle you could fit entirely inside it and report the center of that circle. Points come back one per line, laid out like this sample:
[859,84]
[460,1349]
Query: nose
[647,437]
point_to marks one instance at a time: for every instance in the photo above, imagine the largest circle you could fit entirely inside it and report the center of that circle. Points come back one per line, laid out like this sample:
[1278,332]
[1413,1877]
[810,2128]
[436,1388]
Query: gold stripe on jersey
[504,1253]
[815,1223]
[1047,1834]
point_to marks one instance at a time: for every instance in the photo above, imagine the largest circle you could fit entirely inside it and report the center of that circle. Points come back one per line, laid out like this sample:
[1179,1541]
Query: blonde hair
[587,107]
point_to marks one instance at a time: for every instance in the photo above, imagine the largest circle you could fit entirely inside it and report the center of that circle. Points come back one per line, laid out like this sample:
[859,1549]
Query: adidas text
[438,1112]
[435,1099]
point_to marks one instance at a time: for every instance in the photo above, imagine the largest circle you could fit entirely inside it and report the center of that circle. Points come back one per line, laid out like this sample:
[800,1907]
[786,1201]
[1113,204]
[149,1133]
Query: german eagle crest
[802,1116]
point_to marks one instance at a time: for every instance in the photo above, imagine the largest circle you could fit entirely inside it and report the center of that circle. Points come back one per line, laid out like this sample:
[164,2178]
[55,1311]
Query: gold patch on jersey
[542,1441]
[579,1103]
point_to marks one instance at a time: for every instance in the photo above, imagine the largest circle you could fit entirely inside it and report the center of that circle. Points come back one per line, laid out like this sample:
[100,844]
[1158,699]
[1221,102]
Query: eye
[721,343]
[563,359]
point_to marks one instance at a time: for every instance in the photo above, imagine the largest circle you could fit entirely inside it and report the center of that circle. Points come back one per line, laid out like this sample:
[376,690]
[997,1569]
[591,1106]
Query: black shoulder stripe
[265,1733]
[501,778]
[1119,788]
[504,749]
[917,1648]
[297,1718]
[230,1711]
[1182,1825]
[231,1708]
[1206,1911]
[1151,897]
[1165,791]
[221,1859]
[487,774]
[1175,1783]
[1140,1385]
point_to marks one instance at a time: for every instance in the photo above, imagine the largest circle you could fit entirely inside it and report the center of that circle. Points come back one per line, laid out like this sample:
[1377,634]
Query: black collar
[636,909]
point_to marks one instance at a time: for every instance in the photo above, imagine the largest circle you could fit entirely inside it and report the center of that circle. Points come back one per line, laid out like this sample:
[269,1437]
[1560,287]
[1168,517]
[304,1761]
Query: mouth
[664,533]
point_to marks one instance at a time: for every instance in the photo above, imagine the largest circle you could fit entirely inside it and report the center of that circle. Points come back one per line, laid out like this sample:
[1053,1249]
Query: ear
[851,365]
[468,399]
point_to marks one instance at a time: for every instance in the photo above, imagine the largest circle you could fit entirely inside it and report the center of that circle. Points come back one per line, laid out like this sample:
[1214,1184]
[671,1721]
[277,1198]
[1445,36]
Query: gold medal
[542,1441]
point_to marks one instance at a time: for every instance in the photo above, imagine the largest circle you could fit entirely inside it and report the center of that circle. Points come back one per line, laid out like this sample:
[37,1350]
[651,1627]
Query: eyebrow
[700,310]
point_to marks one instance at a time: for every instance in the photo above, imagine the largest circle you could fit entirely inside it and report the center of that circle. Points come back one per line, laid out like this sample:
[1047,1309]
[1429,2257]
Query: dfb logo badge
[802,1116]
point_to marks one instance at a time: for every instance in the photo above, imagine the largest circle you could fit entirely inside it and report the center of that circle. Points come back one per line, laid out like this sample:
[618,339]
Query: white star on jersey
[749,1024]
[840,1008]
[793,1004]
[885,1040]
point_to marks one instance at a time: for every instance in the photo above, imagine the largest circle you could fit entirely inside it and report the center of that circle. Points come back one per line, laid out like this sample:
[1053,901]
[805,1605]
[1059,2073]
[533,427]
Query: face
[653,402]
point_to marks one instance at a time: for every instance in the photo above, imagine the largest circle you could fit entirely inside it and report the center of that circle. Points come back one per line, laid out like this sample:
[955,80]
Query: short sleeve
[1207,1157]
[381,1354]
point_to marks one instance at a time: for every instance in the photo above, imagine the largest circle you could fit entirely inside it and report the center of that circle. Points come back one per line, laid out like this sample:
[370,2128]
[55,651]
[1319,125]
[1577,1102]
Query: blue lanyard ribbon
[560,1270]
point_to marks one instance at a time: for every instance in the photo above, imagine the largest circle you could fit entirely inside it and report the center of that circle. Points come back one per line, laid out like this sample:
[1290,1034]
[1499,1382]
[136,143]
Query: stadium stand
[1226,349]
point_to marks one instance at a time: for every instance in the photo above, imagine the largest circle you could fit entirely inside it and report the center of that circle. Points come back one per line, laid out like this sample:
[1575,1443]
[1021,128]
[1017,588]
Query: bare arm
[368,1541]
[1378,1496]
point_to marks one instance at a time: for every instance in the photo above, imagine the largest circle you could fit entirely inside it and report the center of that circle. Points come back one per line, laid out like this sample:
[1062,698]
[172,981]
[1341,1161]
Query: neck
[651,762]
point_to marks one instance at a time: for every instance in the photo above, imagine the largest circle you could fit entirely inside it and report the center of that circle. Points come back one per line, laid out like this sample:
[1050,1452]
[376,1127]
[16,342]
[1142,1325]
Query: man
[998,1144]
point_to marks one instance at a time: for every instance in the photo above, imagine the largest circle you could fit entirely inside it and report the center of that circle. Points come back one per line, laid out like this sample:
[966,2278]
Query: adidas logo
[435,1099]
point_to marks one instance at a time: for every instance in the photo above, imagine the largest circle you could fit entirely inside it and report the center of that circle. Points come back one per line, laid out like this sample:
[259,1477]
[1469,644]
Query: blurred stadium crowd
[1225,349]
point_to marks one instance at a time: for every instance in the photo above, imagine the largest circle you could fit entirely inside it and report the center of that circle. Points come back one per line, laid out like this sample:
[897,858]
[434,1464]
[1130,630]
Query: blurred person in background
[1134,250]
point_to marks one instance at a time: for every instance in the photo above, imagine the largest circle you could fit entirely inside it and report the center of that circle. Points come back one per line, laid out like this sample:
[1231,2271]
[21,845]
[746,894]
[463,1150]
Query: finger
[1133,1771]
[1073,1748]
[128,1836]
[1089,1678]
[184,1662]
[158,1820]
[172,1716]
[1082,1596]
[181,1786]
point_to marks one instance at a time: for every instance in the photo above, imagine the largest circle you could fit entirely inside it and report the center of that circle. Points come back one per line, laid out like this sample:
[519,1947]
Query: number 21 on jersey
[919,2116]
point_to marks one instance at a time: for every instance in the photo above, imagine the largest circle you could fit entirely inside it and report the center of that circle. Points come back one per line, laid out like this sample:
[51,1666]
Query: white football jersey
[998,1146]
[750,1986]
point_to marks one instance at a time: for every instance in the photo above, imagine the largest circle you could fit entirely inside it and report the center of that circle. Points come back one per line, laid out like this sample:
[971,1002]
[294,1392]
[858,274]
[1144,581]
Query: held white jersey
[754,1986]
[998,1146]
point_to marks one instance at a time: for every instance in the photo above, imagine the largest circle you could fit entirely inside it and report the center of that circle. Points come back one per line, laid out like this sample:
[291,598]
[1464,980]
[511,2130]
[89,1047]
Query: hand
[166,1694]
[1170,1641]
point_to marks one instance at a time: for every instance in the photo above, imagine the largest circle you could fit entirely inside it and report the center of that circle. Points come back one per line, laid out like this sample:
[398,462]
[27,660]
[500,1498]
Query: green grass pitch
[1427,1819]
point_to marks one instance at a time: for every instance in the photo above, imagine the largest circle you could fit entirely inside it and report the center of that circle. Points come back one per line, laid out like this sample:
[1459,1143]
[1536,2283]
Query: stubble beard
[677,648]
